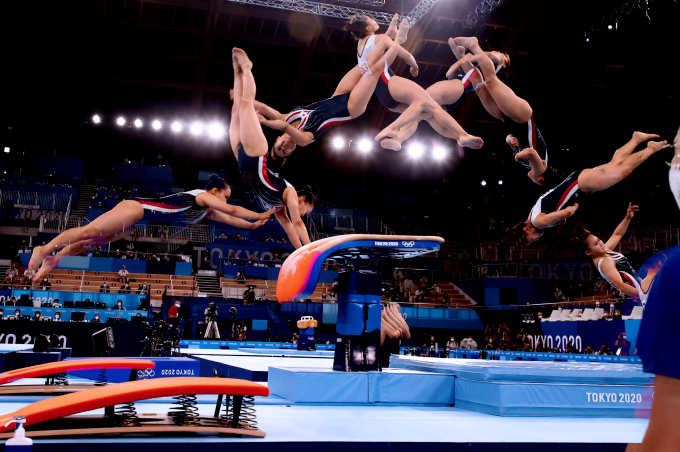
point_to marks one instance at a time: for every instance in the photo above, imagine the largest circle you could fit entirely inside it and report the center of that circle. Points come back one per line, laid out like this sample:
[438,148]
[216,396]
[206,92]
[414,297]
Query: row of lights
[484,183]
[214,130]
[415,151]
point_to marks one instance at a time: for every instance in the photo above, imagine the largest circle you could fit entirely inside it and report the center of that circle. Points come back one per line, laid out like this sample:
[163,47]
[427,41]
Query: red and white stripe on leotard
[262,172]
[301,115]
[160,207]
[334,122]
[567,194]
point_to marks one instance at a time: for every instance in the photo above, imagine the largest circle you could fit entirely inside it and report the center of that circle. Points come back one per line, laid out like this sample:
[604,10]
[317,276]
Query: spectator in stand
[408,285]
[604,350]
[248,296]
[166,258]
[622,345]
[240,277]
[239,237]
[397,275]
[269,239]
[419,295]
[119,306]
[96,319]
[528,303]
[37,317]
[335,288]
[104,288]
[324,295]
[425,351]
[452,344]
[283,240]
[143,289]
[57,317]
[2,314]
[558,295]
[123,274]
[56,304]
[589,350]
[423,281]
[468,343]
[125,288]
[173,311]
[117,254]
[29,274]
[45,284]
[250,259]
[446,300]
[222,236]
[10,274]
[231,256]
[17,314]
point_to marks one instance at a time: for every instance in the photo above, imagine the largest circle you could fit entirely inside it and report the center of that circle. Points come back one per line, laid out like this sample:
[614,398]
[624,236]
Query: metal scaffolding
[481,10]
[343,12]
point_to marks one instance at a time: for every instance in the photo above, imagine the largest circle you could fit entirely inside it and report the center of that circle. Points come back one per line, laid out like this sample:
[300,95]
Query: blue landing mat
[529,371]
[324,386]
[284,352]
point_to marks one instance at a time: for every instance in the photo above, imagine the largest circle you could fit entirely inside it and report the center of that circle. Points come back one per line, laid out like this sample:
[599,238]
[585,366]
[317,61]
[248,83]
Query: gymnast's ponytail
[308,194]
[580,242]
[356,25]
[217,182]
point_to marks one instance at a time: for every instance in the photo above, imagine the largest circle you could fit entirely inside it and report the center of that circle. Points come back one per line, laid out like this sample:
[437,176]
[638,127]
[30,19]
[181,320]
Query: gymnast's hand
[276,124]
[631,210]
[414,70]
[524,153]
[264,216]
[512,141]
[571,209]
[231,94]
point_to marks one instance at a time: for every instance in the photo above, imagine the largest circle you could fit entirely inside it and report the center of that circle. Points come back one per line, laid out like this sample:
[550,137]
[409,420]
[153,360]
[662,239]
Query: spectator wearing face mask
[57,317]
[143,289]
[56,304]
[452,344]
[104,288]
[622,345]
[37,317]
[96,319]
[173,311]
[125,288]
[119,306]
[45,284]
[29,274]
[17,314]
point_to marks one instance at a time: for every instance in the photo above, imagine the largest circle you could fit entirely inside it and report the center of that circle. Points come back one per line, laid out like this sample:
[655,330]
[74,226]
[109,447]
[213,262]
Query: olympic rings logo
[145,373]
[408,244]
[528,318]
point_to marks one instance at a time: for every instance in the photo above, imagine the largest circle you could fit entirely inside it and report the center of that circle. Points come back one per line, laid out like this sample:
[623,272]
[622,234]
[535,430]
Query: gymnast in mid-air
[613,266]
[305,124]
[559,203]
[116,223]
[251,150]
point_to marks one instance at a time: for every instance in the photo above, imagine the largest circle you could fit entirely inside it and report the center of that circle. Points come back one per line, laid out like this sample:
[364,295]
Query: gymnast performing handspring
[613,266]
[116,223]
[558,204]
[251,150]
[305,124]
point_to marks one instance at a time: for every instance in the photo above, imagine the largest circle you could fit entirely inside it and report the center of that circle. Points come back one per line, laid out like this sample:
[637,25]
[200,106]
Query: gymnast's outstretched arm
[208,201]
[236,222]
[544,220]
[609,270]
[287,226]
[621,229]
[299,137]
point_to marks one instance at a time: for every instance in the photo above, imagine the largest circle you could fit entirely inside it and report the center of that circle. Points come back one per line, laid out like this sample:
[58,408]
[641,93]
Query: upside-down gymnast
[251,150]
[116,223]
[449,93]
[613,266]
[558,204]
[305,124]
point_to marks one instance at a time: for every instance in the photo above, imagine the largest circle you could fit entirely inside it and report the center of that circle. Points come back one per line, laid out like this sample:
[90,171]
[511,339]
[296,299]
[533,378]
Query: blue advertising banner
[593,333]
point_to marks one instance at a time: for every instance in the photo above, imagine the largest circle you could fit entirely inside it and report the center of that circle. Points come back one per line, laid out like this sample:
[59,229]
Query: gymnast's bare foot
[469,42]
[402,34]
[470,141]
[36,258]
[390,143]
[48,265]
[392,29]
[387,132]
[641,137]
[656,146]
[240,59]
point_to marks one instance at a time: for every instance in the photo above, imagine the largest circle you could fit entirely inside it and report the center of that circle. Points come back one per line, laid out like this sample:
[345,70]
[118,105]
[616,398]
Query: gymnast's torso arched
[266,185]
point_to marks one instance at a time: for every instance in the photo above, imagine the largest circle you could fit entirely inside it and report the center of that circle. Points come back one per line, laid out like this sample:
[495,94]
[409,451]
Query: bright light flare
[156,125]
[483,183]
[365,145]
[216,130]
[6,150]
[120,121]
[338,143]
[138,123]
[196,129]
[416,150]
[500,182]
[176,127]
[440,153]
[96,119]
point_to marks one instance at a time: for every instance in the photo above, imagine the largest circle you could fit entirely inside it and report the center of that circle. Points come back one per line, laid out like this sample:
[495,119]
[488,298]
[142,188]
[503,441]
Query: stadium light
[416,150]
[138,123]
[338,143]
[483,183]
[500,182]
[6,150]
[120,121]
[156,125]
[196,128]
[176,127]
[96,119]
[216,130]
[365,145]
[439,153]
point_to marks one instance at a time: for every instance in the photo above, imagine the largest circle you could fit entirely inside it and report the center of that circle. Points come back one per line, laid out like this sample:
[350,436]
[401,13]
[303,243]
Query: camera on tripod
[211,312]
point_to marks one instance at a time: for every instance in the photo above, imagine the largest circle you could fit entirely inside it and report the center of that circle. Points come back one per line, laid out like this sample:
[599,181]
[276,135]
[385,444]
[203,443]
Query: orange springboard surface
[103,396]
[43,370]
[296,269]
